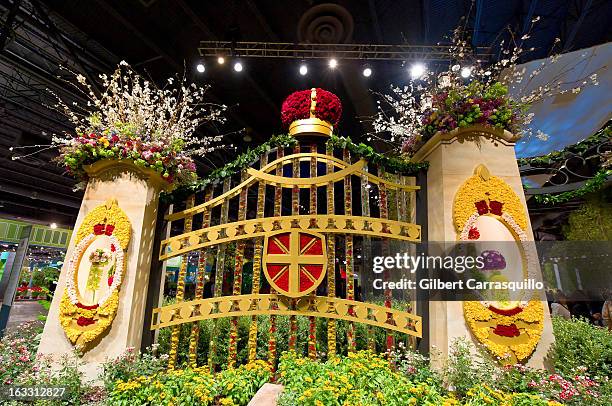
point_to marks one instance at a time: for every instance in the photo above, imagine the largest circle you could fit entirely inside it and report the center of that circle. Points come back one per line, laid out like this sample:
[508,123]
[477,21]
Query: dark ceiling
[160,38]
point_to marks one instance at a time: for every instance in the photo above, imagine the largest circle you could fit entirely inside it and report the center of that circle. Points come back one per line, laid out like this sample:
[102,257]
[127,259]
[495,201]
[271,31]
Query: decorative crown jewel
[311,112]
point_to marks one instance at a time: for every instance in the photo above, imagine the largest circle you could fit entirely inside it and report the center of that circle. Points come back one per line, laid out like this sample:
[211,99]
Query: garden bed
[582,358]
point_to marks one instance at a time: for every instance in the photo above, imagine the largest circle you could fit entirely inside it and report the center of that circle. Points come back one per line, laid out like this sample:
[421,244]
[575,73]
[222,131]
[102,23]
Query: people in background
[559,307]
[597,319]
[606,314]
[580,305]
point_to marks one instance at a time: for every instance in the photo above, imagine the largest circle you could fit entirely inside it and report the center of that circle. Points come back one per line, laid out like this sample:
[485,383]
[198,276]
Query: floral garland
[84,323]
[391,164]
[600,136]
[592,185]
[510,334]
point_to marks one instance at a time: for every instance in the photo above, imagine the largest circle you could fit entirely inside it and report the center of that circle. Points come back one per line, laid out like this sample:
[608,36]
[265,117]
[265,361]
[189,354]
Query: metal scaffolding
[436,53]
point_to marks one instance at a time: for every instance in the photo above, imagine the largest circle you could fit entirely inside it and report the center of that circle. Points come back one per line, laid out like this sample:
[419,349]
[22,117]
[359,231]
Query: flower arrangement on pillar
[132,119]
[469,93]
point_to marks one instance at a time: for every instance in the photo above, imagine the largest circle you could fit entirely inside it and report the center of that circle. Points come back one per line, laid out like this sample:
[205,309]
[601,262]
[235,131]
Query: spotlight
[53,225]
[367,72]
[303,70]
[466,72]
[238,67]
[333,63]
[417,70]
[220,60]
[201,68]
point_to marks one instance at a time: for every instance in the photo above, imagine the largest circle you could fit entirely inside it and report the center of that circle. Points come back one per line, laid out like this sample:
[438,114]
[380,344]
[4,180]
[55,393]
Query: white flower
[542,136]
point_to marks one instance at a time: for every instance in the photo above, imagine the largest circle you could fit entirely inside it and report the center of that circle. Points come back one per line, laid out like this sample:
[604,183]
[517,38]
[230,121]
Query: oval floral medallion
[94,274]
[489,214]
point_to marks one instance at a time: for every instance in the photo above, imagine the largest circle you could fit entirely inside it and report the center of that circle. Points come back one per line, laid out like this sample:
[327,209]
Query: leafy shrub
[463,370]
[362,378]
[66,374]
[132,364]
[234,386]
[580,344]
[18,350]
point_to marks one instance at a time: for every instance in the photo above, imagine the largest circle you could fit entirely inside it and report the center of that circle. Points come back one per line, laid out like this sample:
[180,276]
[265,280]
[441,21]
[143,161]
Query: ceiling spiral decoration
[326,24]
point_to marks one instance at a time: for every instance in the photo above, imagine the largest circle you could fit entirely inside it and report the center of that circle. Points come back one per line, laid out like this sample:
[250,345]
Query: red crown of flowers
[305,104]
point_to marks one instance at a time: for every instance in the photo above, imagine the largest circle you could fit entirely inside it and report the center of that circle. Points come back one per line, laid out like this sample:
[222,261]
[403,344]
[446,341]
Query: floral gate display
[301,252]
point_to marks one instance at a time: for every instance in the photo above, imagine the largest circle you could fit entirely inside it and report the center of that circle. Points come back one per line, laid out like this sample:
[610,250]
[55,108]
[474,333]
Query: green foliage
[463,370]
[242,161]
[592,221]
[234,386]
[391,164]
[221,337]
[362,378]
[18,350]
[590,186]
[131,365]
[580,344]
[577,149]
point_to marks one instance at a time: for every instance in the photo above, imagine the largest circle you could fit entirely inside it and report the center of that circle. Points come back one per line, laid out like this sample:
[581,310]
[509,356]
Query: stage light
[201,68]
[238,67]
[466,72]
[333,63]
[303,70]
[367,72]
[417,70]
[220,60]
[53,225]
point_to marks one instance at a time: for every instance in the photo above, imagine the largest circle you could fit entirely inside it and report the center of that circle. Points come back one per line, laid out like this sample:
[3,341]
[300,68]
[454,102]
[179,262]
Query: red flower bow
[85,321]
[482,207]
[496,207]
[507,331]
[100,229]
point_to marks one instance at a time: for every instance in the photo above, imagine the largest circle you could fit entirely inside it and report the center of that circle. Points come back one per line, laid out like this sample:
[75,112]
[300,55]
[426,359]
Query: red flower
[496,207]
[328,107]
[85,321]
[297,107]
[482,207]
[473,234]
[507,331]
[509,312]
[110,280]
[109,229]
[98,229]
[113,248]
[86,307]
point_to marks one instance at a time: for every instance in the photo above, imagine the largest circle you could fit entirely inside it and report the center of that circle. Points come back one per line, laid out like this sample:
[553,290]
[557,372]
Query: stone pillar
[136,191]
[453,158]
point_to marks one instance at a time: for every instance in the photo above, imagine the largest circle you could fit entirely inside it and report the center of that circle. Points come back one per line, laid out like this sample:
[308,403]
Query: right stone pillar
[475,193]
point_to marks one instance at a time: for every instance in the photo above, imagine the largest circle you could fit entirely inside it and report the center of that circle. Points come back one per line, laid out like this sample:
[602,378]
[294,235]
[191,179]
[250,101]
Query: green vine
[577,149]
[391,164]
[246,159]
[235,166]
[592,185]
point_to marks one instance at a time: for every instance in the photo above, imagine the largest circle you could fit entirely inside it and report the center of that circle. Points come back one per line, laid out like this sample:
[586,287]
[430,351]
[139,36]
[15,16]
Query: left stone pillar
[99,303]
